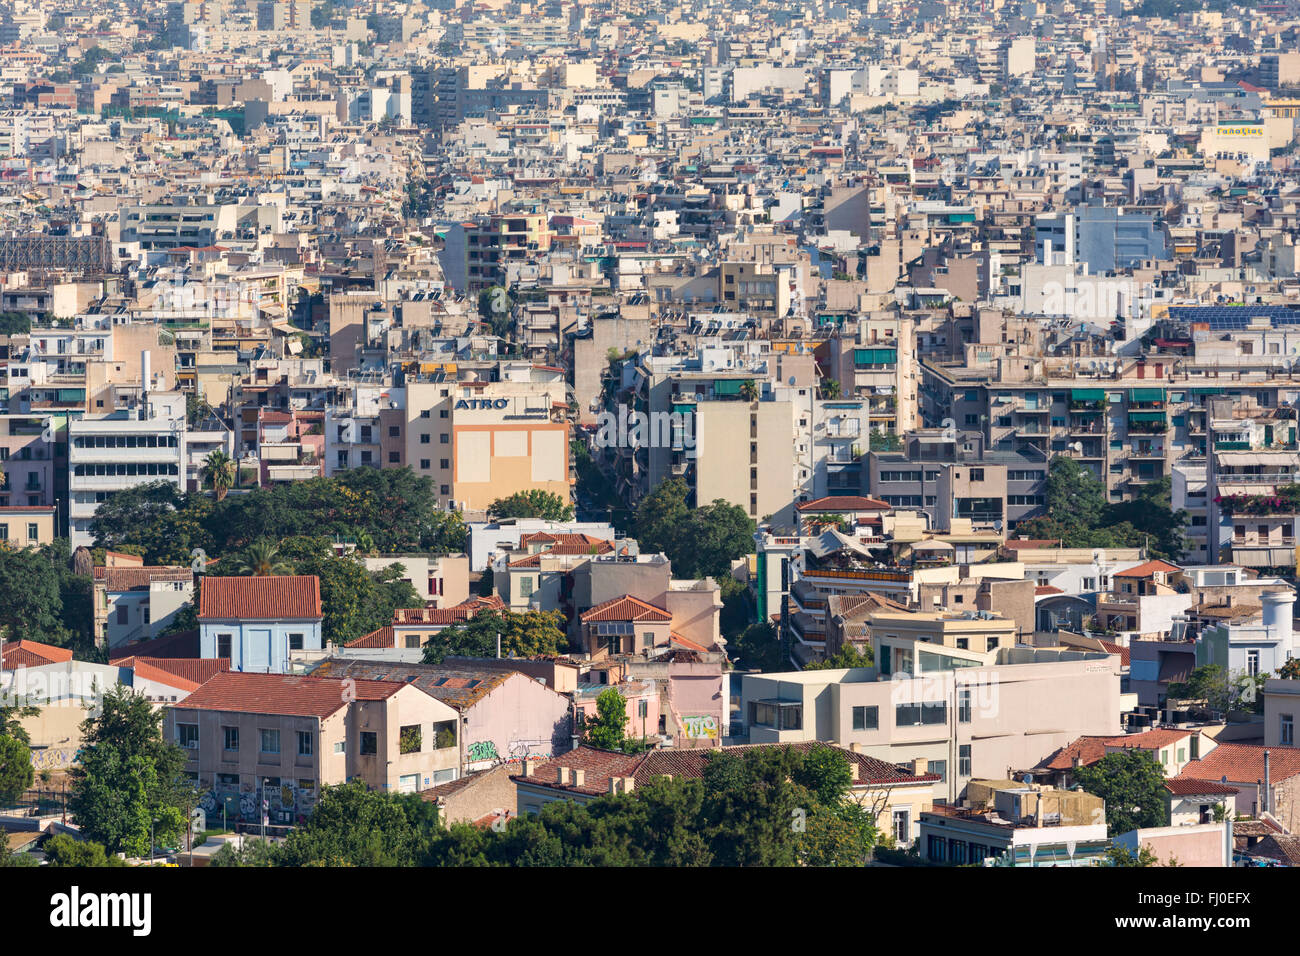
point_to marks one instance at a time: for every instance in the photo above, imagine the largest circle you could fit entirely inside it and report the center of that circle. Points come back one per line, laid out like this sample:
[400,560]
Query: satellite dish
[1027,779]
[793,379]
[997,525]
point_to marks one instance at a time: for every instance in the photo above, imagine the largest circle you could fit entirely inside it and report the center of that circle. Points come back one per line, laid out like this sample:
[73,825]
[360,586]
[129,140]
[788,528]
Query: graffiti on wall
[699,728]
[483,750]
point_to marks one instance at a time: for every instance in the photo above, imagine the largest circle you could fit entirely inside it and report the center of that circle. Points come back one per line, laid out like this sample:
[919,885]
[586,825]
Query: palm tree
[749,390]
[219,472]
[261,559]
[830,389]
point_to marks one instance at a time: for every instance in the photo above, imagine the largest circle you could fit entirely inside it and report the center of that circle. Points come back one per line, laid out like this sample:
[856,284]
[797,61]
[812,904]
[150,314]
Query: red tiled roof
[1088,749]
[383,637]
[1031,544]
[625,608]
[1194,786]
[180,672]
[687,643]
[267,598]
[1042,590]
[1148,569]
[1116,649]
[561,550]
[282,694]
[844,503]
[1244,763]
[33,654]
[1149,739]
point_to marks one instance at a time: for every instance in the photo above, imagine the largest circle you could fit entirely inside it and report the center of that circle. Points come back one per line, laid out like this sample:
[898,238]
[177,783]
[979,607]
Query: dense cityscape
[635,433]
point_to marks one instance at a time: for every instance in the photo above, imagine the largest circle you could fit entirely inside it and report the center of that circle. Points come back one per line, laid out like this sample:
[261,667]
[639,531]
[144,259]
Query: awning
[727,386]
[875,356]
[1146,416]
[1146,395]
[1087,394]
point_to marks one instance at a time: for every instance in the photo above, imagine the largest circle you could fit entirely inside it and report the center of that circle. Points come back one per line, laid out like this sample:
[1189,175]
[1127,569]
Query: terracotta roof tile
[269,598]
[1148,569]
[1244,763]
[843,503]
[281,694]
[1194,786]
[33,654]
[625,608]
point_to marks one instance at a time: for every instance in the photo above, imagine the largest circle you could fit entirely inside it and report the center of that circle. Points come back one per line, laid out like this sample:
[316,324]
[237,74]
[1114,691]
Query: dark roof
[599,766]
[176,644]
[458,687]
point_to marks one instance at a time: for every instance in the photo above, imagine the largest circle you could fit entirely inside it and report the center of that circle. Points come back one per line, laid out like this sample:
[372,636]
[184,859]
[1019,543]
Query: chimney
[614,784]
[628,784]
[919,765]
[579,778]
[854,775]
[562,776]
[1077,762]
[530,767]
[855,748]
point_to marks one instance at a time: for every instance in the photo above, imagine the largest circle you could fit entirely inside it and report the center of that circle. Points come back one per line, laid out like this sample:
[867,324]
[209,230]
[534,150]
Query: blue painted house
[256,622]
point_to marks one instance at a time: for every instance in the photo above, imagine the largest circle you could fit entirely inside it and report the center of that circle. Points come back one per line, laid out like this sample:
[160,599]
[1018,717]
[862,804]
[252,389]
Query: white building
[108,453]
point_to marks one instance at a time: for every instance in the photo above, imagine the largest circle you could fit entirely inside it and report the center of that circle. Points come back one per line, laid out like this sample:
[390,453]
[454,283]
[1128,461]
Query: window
[295,642]
[526,585]
[901,822]
[223,645]
[412,640]
[977,474]
[1252,663]
[425,439]
[369,743]
[228,781]
[866,718]
[1287,738]
[270,741]
[33,532]
[935,846]
[444,464]
[963,705]
[443,439]
[918,715]
[963,760]
[394,431]
[394,458]
[121,614]
[340,747]
[187,735]
[425,463]
[306,746]
[231,735]
[410,739]
[941,768]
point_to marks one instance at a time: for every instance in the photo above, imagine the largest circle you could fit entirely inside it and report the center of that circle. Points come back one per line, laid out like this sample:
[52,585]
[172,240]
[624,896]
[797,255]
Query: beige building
[248,734]
[26,527]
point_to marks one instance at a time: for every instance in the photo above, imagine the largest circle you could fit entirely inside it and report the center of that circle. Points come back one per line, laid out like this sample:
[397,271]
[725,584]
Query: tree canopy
[700,542]
[534,503]
[128,776]
[523,634]
[1132,784]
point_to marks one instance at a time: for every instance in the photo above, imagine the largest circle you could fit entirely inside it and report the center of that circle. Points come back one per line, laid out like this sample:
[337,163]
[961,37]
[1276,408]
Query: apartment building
[122,449]
[968,713]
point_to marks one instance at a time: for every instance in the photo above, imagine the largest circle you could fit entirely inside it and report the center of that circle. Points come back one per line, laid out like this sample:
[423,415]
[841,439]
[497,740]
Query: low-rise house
[1195,844]
[412,628]
[1017,826]
[1267,779]
[893,793]
[139,603]
[1142,602]
[504,717]
[252,737]
[260,623]
[1191,801]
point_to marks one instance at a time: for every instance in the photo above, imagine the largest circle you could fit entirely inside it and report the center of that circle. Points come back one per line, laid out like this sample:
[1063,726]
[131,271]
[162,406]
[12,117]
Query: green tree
[64,850]
[219,472]
[699,542]
[830,389]
[534,503]
[128,776]
[10,715]
[1132,784]
[848,655]
[1124,856]
[356,601]
[352,825]
[758,648]
[523,634]
[31,602]
[16,772]
[884,441]
[260,559]
[15,323]
[607,729]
